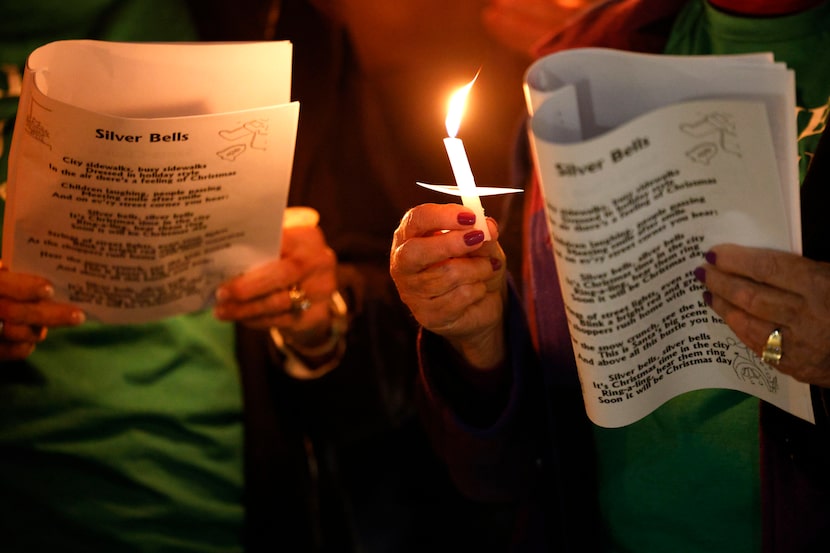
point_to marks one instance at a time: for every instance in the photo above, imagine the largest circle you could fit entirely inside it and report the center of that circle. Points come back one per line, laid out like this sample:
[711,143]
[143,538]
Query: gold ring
[772,349]
[299,301]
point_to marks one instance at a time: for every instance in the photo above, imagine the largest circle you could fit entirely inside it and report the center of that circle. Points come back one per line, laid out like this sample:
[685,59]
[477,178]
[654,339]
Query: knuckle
[746,296]
[408,221]
[469,293]
[329,257]
[763,268]
[402,258]
[789,313]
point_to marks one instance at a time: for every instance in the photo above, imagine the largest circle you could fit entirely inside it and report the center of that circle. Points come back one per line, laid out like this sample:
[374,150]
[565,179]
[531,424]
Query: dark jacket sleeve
[487,437]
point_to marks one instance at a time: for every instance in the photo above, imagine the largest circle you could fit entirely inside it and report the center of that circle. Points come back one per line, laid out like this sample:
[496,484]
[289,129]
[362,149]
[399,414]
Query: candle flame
[458,101]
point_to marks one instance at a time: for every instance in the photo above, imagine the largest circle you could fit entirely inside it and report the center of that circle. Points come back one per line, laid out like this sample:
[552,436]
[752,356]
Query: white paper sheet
[646,162]
[143,175]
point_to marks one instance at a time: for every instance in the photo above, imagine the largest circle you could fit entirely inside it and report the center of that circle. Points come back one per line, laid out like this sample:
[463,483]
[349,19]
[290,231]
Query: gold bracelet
[334,348]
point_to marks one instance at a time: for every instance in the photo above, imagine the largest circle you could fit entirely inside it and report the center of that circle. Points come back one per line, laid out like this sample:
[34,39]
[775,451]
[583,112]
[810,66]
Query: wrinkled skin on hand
[453,282]
[259,298]
[758,290]
[28,311]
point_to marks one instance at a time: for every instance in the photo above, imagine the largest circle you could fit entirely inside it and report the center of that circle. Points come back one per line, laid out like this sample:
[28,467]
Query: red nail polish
[474,237]
[710,258]
[466,218]
[707,298]
[700,274]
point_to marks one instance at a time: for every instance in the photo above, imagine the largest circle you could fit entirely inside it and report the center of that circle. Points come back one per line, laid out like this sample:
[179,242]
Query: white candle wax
[465,182]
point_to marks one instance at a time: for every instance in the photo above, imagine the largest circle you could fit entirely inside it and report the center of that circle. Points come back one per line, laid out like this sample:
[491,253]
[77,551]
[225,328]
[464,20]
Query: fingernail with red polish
[496,263]
[710,257]
[700,274]
[707,298]
[474,237]
[466,218]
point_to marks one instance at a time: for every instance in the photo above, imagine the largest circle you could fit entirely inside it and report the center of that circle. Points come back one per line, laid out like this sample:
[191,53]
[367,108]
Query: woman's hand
[27,311]
[291,294]
[451,280]
[757,291]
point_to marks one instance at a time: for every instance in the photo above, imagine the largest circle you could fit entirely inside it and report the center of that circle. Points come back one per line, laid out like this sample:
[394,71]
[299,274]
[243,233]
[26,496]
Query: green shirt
[686,478]
[117,438]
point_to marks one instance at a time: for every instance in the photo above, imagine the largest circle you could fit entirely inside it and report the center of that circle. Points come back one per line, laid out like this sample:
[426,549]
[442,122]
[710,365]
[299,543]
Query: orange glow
[571,4]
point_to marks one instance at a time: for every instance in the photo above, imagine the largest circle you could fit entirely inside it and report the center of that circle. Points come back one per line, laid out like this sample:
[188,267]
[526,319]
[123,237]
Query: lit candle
[458,158]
